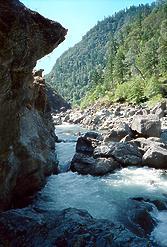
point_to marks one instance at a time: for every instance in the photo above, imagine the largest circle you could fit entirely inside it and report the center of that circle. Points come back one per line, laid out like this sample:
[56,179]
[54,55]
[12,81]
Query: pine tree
[162,51]
[119,66]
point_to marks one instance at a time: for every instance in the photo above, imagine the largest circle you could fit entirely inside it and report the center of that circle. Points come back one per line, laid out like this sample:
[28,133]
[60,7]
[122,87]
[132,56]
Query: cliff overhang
[27,138]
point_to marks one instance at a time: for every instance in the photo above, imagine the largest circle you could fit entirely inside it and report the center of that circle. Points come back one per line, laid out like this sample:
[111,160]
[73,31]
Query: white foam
[160,232]
[103,197]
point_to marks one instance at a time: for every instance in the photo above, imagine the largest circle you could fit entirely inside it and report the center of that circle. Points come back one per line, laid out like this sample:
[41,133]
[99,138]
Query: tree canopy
[123,57]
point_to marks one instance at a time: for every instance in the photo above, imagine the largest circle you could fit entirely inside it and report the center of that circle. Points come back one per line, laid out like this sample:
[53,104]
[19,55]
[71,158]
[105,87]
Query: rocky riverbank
[127,136]
[41,224]
[102,118]
[27,147]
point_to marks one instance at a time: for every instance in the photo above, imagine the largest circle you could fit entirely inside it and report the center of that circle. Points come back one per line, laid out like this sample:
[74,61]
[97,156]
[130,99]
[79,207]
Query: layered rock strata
[27,149]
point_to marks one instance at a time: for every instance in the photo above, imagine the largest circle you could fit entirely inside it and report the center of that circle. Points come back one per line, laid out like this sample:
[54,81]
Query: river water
[103,197]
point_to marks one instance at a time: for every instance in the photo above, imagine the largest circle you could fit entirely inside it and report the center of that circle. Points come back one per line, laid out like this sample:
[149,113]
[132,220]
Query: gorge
[127,207]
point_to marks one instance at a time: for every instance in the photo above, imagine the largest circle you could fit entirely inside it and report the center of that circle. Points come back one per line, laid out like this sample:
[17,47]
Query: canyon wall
[27,138]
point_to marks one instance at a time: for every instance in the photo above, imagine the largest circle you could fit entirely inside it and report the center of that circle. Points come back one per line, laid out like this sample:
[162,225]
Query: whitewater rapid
[103,197]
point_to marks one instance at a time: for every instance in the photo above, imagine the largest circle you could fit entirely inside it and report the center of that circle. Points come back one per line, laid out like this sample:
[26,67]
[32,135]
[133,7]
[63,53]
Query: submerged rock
[160,204]
[137,217]
[27,149]
[70,227]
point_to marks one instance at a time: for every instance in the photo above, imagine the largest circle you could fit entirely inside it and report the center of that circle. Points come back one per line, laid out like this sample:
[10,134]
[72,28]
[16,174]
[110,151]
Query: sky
[78,16]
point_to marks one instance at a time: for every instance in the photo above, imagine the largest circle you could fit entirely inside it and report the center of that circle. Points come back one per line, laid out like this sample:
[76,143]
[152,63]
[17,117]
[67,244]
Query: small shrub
[155,99]
[152,88]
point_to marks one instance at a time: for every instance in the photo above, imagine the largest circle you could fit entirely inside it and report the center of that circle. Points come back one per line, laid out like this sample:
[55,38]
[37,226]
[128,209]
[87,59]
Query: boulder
[103,113]
[144,144]
[159,109]
[118,132]
[124,153]
[85,164]
[164,122]
[93,135]
[76,117]
[27,138]
[139,112]
[129,112]
[155,157]
[102,151]
[70,227]
[107,124]
[87,143]
[96,120]
[147,125]
[66,118]
[117,111]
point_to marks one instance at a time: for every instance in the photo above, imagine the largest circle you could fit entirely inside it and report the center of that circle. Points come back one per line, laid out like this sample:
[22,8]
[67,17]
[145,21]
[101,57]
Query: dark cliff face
[56,101]
[27,149]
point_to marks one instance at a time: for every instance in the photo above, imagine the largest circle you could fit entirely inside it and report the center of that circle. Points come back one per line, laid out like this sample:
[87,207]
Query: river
[103,197]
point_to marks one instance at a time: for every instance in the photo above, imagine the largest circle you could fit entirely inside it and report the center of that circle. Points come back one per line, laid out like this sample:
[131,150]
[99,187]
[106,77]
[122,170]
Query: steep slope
[56,101]
[136,67]
[27,149]
[72,74]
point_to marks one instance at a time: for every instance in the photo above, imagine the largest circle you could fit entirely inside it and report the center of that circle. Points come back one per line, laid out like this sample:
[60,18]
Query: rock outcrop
[27,149]
[70,227]
[56,101]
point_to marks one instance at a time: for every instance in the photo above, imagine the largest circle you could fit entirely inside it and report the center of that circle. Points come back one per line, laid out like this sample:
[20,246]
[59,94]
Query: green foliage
[123,58]
[71,75]
[131,91]
[135,91]
[152,88]
[155,99]
[98,91]
[119,66]
[120,93]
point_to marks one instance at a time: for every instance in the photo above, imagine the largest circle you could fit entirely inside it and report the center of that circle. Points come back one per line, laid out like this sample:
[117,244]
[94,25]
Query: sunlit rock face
[27,150]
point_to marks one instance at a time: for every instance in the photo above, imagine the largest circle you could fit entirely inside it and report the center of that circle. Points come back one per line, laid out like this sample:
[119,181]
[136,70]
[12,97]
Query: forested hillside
[124,57]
